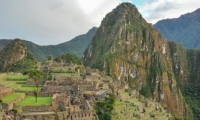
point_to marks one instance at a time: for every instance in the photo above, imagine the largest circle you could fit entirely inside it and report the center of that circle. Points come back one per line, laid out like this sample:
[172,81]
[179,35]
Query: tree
[36,75]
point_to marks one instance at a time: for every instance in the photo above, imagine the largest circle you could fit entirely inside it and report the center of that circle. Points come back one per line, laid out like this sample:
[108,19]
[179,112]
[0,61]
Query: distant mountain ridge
[184,30]
[77,46]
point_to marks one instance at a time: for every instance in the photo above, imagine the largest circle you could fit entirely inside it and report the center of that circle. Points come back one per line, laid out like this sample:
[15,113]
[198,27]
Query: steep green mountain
[130,50]
[184,30]
[77,46]
[16,57]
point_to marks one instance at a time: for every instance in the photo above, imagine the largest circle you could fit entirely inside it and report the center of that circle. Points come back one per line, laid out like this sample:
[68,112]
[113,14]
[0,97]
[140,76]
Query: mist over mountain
[184,30]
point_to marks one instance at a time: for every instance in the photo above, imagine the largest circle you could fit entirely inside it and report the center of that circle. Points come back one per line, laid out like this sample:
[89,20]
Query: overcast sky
[47,22]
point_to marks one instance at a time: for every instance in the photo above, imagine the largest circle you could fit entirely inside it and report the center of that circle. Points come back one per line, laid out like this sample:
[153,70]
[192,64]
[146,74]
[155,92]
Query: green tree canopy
[36,75]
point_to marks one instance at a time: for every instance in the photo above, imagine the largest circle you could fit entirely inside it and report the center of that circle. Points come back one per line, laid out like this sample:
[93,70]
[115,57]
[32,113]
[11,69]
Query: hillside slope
[129,49]
[184,30]
[13,52]
[77,46]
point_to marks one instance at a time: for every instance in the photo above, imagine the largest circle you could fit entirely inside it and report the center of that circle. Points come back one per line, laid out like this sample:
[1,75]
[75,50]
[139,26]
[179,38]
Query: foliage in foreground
[22,66]
[192,96]
[69,58]
[36,75]
[104,108]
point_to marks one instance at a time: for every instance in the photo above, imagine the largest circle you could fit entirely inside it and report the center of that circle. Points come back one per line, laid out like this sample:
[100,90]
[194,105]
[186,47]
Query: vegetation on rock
[68,58]
[104,108]
[16,57]
[129,49]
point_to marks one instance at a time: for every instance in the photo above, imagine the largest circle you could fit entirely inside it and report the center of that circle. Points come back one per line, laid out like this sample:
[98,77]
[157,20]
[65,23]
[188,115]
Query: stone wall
[42,108]
[38,117]
[40,94]
[51,83]
[82,115]
[45,94]
[60,100]
[86,86]
[5,91]
[2,94]
[56,88]
[31,82]
[50,116]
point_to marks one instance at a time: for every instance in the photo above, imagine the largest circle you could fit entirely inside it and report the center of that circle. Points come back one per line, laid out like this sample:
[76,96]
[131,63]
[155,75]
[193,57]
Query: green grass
[21,85]
[11,97]
[118,102]
[16,76]
[30,101]
[15,86]
[12,82]
[7,82]
[29,88]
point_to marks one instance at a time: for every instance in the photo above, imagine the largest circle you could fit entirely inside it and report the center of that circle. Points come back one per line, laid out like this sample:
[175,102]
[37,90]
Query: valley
[128,70]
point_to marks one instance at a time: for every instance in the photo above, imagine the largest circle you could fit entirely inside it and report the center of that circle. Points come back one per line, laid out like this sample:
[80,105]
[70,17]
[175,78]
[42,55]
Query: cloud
[154,10]
[55,21]
[50,21]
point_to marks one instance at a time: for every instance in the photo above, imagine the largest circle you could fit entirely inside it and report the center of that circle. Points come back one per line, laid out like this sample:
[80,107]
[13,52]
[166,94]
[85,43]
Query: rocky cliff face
[12,52]
[129,49]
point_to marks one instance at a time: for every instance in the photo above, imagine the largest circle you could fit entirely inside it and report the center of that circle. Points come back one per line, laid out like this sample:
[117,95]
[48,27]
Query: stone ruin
[5,91]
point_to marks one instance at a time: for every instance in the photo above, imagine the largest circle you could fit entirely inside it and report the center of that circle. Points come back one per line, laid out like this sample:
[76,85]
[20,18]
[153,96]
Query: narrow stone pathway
[39,113]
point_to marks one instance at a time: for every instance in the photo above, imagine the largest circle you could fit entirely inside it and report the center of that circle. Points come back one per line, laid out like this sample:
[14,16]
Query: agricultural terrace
[30,101]
[10,98]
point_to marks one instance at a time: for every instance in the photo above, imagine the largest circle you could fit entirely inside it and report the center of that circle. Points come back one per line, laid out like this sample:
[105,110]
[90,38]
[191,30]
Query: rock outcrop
[12,52]
[129,49]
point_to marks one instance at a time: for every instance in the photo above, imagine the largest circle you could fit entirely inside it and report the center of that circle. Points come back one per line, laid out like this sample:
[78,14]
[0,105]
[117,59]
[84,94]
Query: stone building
[82,115]
[60,102]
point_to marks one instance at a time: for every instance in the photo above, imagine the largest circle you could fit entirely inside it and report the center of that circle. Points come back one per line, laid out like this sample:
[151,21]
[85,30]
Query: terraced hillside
[137,107]
[130,50]
[18,97]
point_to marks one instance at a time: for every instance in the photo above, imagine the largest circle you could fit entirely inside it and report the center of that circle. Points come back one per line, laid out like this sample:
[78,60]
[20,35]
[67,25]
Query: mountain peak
[117,25]
[122,11]
[130,50]
[14,51]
